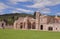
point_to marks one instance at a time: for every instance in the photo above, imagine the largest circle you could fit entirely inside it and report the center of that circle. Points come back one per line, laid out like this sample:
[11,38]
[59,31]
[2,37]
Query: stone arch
[50,28]
[41,27]
[3,25]
[33,25]
[28,24]
[21,25]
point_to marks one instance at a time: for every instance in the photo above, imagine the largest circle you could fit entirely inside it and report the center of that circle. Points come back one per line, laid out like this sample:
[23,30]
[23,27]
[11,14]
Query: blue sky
[50,7]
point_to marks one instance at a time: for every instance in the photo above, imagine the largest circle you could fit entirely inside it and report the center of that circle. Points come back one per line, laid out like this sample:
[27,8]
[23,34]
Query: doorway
[3,25]
[21,25]
[33,25]
[41,27]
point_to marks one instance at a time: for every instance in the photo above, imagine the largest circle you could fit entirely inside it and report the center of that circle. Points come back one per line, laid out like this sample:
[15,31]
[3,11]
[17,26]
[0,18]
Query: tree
[34,14]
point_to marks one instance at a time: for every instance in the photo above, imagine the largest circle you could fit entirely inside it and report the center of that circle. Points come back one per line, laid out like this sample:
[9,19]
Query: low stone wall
[9,26]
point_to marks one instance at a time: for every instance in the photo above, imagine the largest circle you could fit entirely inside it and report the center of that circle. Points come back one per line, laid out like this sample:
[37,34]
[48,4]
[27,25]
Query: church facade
[41,22]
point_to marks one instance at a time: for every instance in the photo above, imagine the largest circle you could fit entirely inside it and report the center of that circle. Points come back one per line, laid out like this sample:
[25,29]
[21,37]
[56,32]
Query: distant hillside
[10,18]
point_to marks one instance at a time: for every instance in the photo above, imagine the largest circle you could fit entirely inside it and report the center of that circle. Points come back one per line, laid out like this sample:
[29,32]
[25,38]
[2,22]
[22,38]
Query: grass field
[28,34]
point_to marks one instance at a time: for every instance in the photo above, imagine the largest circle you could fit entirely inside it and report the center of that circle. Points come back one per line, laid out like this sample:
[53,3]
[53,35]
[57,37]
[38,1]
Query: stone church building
[40,22]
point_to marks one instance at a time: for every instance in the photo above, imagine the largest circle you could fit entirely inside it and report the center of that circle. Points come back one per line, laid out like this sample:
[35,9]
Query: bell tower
[37,20]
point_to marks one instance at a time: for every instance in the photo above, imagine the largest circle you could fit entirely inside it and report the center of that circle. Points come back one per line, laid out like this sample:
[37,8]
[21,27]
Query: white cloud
[55,2]
[57,13]
[45,10]
[17,10]
[43,3]
[15,1]
[1,13]
[2,7]
[38,3]
[24,10]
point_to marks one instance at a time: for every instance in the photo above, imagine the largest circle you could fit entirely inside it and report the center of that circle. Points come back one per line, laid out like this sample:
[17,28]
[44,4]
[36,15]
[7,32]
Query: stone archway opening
[21,25]
[33,25]
[3,25]
[41,27]
[29,25]
[50,28]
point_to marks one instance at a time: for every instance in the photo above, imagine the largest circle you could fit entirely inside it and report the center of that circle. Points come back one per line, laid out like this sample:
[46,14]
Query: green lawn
[27,34]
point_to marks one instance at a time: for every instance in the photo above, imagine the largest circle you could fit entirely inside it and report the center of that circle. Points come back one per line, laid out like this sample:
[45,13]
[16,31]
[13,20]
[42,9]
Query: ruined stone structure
[41,22]
[2,24]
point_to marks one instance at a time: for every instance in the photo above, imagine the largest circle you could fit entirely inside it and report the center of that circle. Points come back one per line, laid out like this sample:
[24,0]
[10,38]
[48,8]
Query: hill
[10,18]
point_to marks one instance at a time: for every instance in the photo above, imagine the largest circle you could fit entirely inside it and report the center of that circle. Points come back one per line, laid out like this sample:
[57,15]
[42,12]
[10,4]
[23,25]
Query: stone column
[37,26]
[15,24]
[31,25]
[37,20]
[18,26]
[25,25]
